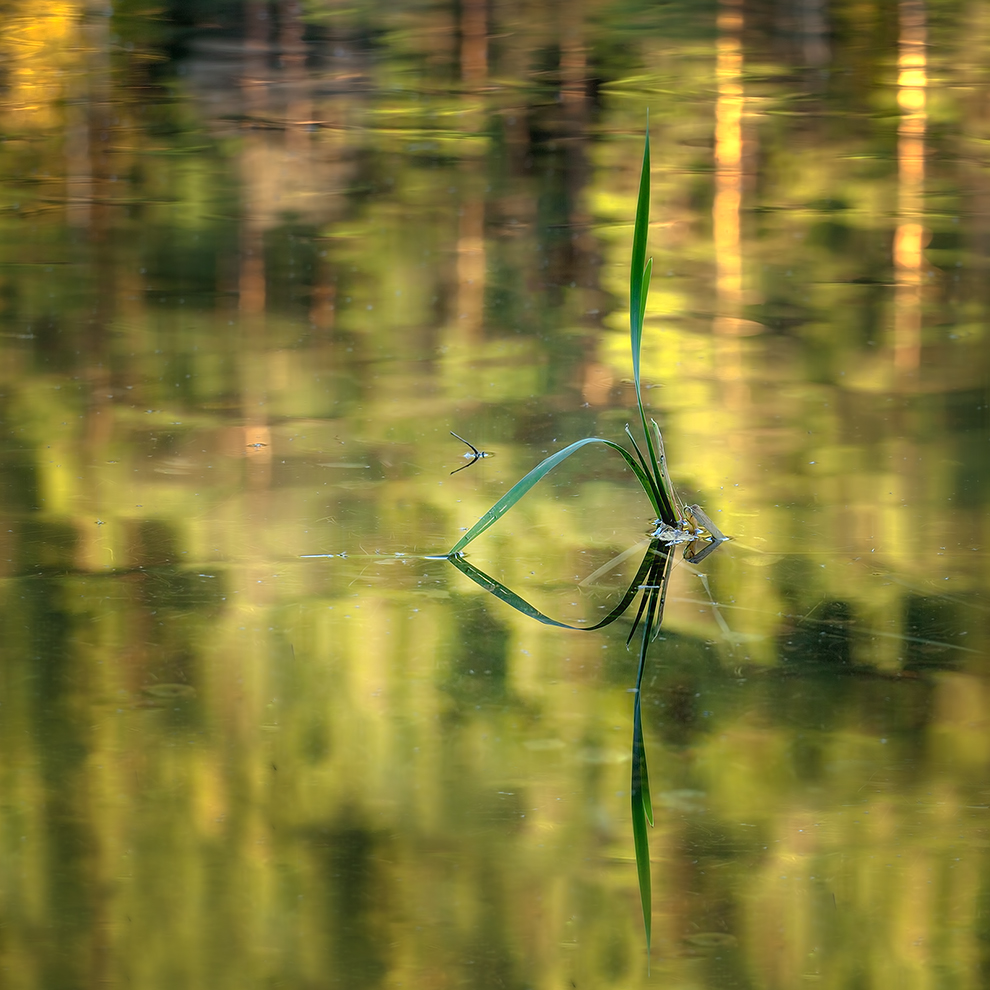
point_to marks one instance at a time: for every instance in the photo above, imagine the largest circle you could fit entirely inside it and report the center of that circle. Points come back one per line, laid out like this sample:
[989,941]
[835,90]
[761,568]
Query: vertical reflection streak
[573,60]
[910,235]
[471,224]
[470,257]
[728,167]
[474,44]
[292,58]
[727,324]
[251,275]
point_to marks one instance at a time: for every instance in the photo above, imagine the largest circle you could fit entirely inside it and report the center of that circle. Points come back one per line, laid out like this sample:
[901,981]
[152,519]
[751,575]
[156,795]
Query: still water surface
[258,261]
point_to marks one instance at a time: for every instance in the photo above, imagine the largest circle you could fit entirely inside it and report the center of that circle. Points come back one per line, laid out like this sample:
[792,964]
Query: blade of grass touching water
[654,573]
[521,487]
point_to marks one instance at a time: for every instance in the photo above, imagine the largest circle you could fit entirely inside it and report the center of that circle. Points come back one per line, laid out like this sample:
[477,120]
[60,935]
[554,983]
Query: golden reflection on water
[909,239]
[728,166]
[253,273]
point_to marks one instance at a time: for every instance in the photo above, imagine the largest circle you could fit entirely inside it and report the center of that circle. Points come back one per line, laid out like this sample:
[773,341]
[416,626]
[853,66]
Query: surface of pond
[258,261]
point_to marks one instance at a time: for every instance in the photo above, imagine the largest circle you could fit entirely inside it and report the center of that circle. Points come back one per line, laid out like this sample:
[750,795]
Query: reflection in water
[235,240]
[650,584]
[474,43]
[909,239]
[728,166]
[470,257]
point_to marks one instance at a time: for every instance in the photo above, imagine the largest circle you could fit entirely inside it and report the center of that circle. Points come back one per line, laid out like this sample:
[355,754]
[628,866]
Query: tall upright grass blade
[521,487]
[640,274]
[640,457]
[637,264]
[667,492]
[647,275]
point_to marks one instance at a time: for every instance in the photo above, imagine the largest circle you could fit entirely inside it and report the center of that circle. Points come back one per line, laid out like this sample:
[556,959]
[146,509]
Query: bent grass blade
[521,487]
[500,591]
[653,575]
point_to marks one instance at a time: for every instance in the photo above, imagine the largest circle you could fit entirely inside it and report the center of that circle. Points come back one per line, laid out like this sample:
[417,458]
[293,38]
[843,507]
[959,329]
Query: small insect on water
[475,454]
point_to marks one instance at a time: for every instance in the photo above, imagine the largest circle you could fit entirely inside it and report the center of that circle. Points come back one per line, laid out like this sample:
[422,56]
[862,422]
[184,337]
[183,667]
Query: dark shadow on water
[478,658]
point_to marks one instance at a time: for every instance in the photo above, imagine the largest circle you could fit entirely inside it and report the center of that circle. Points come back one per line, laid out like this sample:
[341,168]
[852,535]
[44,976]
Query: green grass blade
[663,581]
[642,806]
[500,591]
[637,272]
[641,778]
[639,615]
[642,460]
[521,487]
[641,272]
[641,843]
[660,557]
[647,278]
[667,493]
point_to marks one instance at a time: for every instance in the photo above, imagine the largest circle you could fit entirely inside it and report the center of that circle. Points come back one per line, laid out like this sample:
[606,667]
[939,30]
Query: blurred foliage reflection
[257,260]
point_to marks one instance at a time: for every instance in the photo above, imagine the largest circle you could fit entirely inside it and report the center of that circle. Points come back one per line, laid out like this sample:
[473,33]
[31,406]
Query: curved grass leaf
[520,604]
[521,487]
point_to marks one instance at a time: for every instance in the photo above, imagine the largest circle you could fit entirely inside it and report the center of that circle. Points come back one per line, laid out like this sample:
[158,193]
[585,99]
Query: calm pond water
[258,261]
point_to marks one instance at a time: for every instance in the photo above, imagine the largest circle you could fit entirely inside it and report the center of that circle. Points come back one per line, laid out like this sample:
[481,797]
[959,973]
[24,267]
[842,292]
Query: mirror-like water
[258,261]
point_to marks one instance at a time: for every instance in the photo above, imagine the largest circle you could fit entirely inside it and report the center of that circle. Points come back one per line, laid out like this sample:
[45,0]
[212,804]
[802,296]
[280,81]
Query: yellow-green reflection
[254,269]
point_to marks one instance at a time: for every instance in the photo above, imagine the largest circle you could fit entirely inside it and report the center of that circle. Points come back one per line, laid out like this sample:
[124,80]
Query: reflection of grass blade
[593,577]
[661,581]
[661,559]
[521,487]
[642,814]
[500,591]
[655,593]
[639,790]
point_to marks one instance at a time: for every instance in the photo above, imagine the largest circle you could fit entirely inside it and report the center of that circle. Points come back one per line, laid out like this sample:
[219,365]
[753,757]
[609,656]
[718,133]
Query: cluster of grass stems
[674,526]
